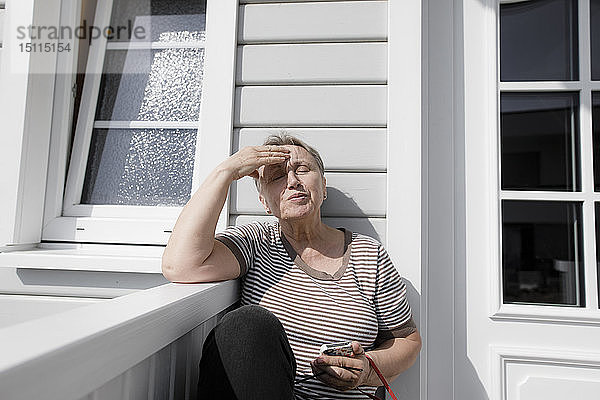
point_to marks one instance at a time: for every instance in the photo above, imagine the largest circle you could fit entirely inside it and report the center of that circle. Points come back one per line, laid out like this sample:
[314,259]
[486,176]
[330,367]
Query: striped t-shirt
[365,300]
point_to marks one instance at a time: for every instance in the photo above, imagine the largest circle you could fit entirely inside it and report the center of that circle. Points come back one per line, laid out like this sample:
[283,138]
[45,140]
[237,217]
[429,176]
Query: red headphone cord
[381,377]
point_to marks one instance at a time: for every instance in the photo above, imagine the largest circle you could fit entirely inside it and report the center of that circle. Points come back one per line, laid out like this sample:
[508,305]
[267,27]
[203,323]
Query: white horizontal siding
[343,105]
[348,195]
[373,227]
[312,63]
[342,149]
[318,70]
[313,22]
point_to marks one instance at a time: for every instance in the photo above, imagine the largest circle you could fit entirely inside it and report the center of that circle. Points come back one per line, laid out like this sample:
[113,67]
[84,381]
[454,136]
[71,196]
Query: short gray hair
[285,139]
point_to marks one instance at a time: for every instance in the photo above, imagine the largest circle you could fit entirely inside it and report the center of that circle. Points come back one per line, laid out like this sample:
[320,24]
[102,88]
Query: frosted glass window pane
[161,20]
[542,252]
[150,167]
[151,85]
[538,41]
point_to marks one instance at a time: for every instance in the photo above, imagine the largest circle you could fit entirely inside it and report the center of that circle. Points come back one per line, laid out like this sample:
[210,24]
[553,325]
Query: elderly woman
[304,284]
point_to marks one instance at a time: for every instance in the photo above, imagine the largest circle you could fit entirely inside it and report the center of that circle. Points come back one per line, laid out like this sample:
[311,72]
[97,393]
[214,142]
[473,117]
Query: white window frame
[482,169]
[26,116]
[135,224]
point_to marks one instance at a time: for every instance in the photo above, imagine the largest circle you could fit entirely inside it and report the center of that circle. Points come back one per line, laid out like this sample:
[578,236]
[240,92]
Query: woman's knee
[251,322]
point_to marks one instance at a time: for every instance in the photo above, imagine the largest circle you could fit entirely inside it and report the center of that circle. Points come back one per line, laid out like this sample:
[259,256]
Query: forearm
[393,357]
[192,239]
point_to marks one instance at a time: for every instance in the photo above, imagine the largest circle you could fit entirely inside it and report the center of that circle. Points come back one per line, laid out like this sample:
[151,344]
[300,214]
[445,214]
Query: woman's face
[293,189]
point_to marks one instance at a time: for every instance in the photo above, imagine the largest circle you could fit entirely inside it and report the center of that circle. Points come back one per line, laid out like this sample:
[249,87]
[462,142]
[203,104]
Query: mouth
[297,196]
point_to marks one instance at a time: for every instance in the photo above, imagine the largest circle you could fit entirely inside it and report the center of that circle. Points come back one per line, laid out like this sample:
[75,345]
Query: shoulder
[252,233]
[365,243]
[369,251]
[256,227]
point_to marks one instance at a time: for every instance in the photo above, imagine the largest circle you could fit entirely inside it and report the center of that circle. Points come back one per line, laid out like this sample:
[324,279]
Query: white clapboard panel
[313,22]
[312,63]
[347,105]
[373,227]
[2,22]
[342,149]
[348,195]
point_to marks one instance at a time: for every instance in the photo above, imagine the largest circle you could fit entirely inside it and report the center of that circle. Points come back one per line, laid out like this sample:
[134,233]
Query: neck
[305,231]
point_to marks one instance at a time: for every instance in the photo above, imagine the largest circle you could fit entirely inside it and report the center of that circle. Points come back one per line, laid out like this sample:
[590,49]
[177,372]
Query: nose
[292,180]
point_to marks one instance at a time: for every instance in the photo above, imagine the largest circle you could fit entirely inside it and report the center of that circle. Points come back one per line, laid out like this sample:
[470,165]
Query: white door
[527,321]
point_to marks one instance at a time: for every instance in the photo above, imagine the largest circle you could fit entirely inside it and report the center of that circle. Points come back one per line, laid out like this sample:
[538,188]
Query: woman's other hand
[248,160]
[343,372]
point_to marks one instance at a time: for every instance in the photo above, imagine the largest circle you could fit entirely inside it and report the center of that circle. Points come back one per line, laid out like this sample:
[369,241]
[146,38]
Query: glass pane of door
[539,141]
[596,137]
[542,252]
[538,41]
[597,212]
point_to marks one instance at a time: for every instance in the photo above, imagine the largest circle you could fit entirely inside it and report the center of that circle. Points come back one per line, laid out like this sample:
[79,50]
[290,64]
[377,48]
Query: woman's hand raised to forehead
[248,160]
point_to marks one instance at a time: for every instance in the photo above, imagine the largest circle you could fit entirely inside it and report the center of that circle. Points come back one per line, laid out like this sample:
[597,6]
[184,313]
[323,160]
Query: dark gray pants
[247,356]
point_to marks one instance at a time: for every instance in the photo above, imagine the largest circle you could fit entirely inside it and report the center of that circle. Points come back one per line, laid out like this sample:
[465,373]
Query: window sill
[86,257]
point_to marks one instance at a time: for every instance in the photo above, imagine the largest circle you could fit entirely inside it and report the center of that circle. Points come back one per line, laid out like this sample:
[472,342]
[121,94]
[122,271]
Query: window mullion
[146,124]
[585,67]
[587,156]
[540,86]
[154,45]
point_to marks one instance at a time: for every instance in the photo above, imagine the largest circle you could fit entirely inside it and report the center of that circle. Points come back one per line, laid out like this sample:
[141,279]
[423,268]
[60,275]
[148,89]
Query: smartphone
[337,349]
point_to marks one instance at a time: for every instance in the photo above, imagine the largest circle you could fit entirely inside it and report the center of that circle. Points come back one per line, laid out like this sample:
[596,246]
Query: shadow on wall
[404,386]
[359,222]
